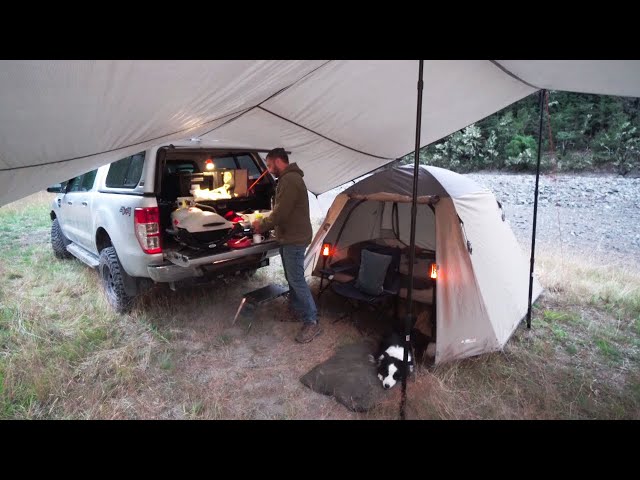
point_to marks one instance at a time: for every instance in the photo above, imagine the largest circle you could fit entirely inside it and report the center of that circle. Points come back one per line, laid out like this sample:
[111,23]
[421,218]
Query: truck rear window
[125,173]
[247,163]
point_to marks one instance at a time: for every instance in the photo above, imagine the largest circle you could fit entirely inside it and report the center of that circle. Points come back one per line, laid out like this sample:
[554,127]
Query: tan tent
[483,277]
[339,118]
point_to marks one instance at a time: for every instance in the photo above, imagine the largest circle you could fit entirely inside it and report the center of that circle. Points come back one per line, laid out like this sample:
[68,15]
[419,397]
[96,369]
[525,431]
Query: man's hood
[292,168]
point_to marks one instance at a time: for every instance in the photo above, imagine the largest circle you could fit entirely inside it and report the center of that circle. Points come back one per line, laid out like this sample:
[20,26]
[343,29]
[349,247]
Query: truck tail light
[147,227]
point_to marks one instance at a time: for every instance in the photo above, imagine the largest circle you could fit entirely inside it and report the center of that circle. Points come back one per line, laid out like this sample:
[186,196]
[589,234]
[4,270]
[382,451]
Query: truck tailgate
[184,258]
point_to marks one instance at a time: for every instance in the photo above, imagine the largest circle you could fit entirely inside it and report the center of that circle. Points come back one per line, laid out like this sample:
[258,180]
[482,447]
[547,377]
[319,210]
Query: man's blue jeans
[299,293]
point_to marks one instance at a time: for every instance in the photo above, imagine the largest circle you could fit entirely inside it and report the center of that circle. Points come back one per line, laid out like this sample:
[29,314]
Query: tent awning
[340,119]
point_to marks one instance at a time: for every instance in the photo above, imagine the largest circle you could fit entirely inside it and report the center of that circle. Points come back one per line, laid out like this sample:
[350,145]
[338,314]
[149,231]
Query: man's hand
[256,226]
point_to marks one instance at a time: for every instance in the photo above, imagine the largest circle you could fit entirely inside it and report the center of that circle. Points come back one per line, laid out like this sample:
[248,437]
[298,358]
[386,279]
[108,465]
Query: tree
[586,130]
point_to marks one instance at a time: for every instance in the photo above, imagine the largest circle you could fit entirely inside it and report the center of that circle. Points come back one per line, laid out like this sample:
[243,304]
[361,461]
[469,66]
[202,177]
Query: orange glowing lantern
[434,271]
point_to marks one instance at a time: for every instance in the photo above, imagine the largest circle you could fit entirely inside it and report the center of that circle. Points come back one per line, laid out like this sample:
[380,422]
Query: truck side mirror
[58,188]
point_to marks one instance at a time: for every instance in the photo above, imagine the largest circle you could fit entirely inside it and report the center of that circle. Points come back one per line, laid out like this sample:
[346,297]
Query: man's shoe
[308,332]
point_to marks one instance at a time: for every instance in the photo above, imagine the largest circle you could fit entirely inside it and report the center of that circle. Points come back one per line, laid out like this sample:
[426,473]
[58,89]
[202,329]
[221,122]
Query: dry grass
[34,201]
[64,354]
[580,359]
[584,279]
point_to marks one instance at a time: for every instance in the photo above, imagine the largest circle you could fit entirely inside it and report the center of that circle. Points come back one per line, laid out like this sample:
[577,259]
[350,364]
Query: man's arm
[284,205]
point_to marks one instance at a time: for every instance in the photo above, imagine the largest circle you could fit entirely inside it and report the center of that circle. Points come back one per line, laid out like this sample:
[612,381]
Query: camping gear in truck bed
[222,184]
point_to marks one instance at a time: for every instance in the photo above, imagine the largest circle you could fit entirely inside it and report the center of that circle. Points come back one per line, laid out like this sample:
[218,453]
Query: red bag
[243,242]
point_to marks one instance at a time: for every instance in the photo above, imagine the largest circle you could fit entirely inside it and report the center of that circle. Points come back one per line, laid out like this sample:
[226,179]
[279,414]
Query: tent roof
[340,119]
[431,181]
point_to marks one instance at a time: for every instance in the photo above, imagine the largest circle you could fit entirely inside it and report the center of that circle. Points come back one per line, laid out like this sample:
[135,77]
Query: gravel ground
[595,214]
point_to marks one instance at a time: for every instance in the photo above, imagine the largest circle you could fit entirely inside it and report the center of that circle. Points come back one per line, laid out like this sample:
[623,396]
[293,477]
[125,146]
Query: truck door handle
[59,202]
[84,204]
[69,203]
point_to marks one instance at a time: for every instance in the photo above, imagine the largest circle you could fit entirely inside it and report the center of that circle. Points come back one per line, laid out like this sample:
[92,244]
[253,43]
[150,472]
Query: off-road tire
[59,242]
[111,276]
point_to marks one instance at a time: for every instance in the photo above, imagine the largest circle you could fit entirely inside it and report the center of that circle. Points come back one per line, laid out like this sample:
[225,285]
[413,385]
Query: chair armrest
[338,269]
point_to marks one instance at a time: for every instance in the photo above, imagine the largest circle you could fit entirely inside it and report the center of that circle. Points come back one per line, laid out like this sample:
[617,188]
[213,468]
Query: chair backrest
[394,266]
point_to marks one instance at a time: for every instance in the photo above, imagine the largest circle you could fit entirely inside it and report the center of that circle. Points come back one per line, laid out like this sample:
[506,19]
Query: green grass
[54,324]
[65,354]
[571,348]
[559,333]
[166,361]
[193,410]
[608,349]
[552,316]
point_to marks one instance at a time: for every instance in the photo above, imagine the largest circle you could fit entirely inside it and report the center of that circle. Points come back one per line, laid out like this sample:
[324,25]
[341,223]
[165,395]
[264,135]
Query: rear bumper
[180,267]
[172,273]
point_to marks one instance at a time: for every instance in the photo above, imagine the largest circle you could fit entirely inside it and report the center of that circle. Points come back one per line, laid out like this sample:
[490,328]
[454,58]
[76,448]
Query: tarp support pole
[535,210]
[412,249]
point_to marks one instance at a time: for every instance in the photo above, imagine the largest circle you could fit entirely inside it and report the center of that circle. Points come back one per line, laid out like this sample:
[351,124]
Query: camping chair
[355,291]
[344,270]
[338,270]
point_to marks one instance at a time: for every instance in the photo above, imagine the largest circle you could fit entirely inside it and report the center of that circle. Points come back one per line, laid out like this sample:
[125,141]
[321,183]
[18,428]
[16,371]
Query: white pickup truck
[127,218]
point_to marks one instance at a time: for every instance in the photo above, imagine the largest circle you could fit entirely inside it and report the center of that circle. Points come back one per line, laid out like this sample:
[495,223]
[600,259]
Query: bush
[521,153]
[577,161]
[588,132]
[620,146]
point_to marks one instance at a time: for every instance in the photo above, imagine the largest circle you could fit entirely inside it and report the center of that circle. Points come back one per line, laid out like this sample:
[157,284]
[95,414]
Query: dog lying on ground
[389,361]
[390,356]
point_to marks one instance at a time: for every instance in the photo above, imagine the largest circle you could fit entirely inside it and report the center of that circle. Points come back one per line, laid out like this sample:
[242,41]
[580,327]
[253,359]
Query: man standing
[290,218]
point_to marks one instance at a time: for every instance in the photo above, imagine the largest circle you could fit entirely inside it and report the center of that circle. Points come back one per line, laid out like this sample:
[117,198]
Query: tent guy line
[327,138]
[282,90]
[513,75]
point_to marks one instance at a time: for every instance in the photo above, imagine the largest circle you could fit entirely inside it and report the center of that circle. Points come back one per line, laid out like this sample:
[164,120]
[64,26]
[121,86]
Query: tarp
[339,118]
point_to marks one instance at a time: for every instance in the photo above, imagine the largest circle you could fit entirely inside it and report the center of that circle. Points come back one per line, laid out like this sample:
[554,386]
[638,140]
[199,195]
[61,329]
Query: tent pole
[535,211]
[408,322]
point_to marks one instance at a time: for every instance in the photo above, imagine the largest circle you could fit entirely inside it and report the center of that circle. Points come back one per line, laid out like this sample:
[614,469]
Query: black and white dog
[389,360]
